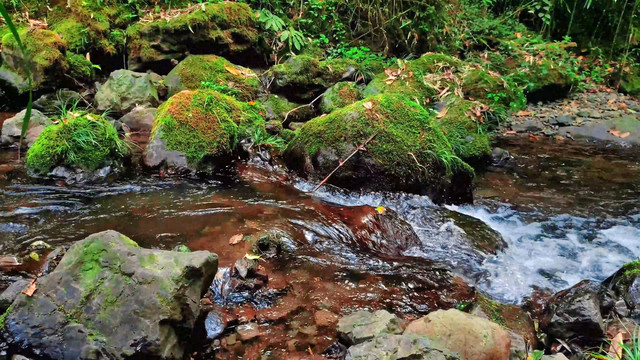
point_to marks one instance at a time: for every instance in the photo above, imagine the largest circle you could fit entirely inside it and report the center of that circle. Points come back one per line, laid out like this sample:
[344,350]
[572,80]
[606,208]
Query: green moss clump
[434,62]
[408,150]
[215,73]
[79,67]
[46,48]
[340,95]
[467,137]
[303,77]
[83,141]
[205,123]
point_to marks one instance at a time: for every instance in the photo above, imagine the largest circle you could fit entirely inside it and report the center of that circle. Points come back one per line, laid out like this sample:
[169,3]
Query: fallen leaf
[533,137]
[252,102]
[523,113]
[615,350]
[235,239]
[31,289]
[618,133]
[442,113]
[381,209]
[510,132]
[232,69]
[368,105]
[518,35]
[622,106]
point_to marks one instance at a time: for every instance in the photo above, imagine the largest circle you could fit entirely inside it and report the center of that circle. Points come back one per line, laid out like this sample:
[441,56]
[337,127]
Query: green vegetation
[205,123]
[83,141]
[630,350]
[340,95]
[214,73]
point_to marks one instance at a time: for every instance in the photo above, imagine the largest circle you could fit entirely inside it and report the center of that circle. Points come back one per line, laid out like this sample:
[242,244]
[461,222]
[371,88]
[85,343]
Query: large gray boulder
[12,127]
[110,299]
[125,89]
[388,346]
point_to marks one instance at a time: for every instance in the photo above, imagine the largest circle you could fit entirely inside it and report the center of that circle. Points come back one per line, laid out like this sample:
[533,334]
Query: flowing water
[565,212]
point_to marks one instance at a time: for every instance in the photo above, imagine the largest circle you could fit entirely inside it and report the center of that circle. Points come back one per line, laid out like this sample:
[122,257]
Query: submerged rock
[12,128]
[472,337]
[109,298]
[363,325]
[124,90]
[405,152]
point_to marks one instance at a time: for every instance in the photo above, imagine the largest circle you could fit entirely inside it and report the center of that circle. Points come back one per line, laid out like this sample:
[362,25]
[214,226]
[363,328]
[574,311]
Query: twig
[359,148]
[300,107]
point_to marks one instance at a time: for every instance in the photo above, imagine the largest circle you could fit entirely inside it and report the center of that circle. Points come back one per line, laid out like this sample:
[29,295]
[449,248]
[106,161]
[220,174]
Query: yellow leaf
[442,113]
[232,69]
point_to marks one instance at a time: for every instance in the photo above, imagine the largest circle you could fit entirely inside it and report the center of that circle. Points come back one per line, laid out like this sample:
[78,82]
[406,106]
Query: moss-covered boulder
[223,28]
[407,152]
[461,125]
[110,298]
[630,82]
[83,142]
[340,95]
[124,90]
[199,130]
[48,63]
[277,107]
[302,78]
[215,73]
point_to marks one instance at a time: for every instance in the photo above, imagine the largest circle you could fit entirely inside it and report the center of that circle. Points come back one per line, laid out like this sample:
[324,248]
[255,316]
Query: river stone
[472,337]
[124,90]
[576,314]
[389,346]
[157,156]
[563,120]
[140,119]
[110,299]
[11,293]
[363,325]
[12,127]
[52,103]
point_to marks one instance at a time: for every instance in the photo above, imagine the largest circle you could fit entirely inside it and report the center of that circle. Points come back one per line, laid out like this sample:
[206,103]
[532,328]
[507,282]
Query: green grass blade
[27,69]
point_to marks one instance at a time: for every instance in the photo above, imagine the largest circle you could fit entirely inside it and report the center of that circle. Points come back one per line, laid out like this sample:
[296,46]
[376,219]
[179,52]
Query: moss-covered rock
[340,95]
[630,82]
[48,63]
[107,296]
[406,152]
[463,130]
[302,78]
[203,125]
[410,78]
[83,141]
[277,107]
[214,73]
[79,67]
[224,28]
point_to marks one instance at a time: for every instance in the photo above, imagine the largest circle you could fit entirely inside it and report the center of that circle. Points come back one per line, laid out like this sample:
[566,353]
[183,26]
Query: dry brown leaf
[622,106]
[232,69]
[235,239]
[523,113]
[624,135]
[31,289]
[368,105]
[618,133]
[615,350]
[442,113]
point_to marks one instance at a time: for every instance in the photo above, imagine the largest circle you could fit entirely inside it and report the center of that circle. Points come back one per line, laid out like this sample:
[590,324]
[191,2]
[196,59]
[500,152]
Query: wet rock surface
[124,90]
[12,128]
[111,298]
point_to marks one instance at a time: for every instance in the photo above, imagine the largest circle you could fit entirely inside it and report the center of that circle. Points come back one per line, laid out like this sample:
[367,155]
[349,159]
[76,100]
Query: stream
[555,214]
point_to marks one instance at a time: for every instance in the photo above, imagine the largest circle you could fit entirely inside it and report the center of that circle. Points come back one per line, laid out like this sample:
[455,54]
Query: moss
[3,317]
[406,147]
[492,90]
[205,122]
[408,78]
[463,129]
[492,309]
[434,62]
[74,33]
[79,67]
[304,76]
[213,72]
[46,48]
[340,95]
[83,141]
